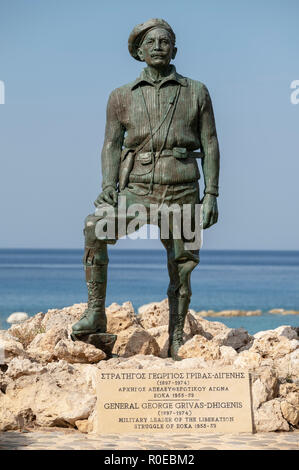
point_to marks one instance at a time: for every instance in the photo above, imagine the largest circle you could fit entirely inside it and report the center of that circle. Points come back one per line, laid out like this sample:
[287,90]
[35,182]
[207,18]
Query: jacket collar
[173,76]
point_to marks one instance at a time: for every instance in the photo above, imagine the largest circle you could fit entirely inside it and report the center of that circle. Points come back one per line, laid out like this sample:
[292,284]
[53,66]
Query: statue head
[153,42]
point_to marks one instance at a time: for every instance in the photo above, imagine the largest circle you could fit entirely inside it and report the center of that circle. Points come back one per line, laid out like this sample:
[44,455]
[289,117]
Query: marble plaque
[132,401]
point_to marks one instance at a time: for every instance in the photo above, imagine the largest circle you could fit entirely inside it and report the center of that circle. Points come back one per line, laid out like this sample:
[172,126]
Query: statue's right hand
[108,196]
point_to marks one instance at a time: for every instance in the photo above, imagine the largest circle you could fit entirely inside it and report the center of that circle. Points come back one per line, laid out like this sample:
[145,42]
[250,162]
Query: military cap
[137,35]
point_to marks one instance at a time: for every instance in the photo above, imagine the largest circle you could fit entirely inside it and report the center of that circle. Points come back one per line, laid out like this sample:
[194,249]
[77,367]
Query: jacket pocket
[143,164]
[178,170]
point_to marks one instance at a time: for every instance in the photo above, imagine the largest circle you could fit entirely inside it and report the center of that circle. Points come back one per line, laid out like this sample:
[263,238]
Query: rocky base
[49,380]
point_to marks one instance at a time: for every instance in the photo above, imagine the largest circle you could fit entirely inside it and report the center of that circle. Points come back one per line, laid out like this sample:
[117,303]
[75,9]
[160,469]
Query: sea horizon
[36,279]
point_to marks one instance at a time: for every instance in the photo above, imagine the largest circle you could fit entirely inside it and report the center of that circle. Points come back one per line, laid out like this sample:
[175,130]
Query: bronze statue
[155,126]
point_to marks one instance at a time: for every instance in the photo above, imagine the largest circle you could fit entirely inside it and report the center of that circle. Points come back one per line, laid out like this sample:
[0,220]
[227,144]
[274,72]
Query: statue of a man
[154,127]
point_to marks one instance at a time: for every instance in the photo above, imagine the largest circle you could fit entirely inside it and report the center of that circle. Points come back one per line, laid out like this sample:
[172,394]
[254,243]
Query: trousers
[181,261]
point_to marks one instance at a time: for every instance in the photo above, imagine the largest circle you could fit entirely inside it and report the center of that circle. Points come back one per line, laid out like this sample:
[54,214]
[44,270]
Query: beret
[140,31]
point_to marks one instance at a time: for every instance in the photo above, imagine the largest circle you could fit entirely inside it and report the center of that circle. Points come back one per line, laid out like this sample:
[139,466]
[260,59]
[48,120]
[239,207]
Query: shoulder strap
[155,130]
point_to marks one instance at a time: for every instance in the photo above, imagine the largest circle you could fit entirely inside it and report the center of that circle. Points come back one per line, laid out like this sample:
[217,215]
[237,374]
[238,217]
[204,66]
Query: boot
[178,308]
[94,319]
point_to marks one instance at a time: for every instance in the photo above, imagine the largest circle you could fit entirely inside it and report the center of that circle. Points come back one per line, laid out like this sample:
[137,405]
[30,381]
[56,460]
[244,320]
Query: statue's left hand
[210,210]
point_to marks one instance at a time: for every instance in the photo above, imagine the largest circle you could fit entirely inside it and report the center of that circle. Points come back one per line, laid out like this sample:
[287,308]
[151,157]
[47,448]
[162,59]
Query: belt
[177,152]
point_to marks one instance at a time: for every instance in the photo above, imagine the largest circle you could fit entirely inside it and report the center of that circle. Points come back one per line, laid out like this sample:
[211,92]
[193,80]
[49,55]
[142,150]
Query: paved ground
[53,439]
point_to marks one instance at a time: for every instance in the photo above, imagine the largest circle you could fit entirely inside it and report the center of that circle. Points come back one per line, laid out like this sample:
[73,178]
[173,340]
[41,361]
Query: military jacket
[135,110]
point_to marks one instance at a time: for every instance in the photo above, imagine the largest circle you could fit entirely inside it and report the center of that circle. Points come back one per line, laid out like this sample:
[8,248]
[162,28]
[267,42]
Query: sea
[35,280]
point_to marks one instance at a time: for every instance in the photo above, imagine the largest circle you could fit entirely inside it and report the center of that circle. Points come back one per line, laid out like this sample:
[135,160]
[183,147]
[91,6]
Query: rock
[12,421]
[268,417]
[199,346]
[235,338]
[290,412]
[26,332]
[17,317]
[274,346]
[154,314]
[49,380]
[194,363]
[145,307]
[234,313]
[59,396]
[63,318]
[282,311]
[228,355]
[84,425]
[10,348]
[120,317]
[210,328]
[264,386]
[259,393]
[135,340]
[160,334]
[287,367]
[290,391]
[196,326]
[77,352]
[206,313]
[139,361]
[278,311]
[43,345]
[19,367]
[284,330]
[248,360]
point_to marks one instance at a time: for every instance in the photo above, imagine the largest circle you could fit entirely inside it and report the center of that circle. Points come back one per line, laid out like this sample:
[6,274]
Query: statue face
[157,49]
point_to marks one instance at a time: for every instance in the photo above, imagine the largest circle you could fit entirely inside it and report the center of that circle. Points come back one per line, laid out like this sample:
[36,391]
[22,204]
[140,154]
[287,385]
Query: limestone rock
[287,367]
[268,417]
[63,318]
[248,360]
[10,348]
[145,307]
[59,396]
[77,352]
[290,412]
[209,328]
[14,420]
[120,317]
[274,346]
[290,391]
[17,317]
[19,367]
[282,311]
[139,361]
[264,387]
[284,330]
[199,346]
[26,332]
[278,311]
[194,363]
[228,355]
[234,337]
[196,326]
[160,334]
[83,425]
[135,340]
[154,314]
[235,313]
[259,393]
[43,345]
[205,313]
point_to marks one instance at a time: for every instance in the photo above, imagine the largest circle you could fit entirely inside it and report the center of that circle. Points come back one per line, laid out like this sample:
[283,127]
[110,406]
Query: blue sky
[59,61]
